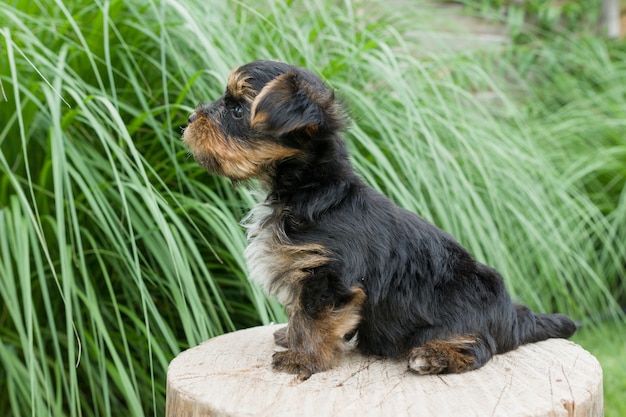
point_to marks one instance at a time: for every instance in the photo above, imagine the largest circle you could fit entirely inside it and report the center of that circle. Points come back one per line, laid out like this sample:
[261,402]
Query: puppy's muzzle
[211,111]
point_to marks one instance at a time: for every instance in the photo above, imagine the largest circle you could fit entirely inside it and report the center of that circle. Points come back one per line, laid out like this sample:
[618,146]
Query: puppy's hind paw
[454,355]
[425,363]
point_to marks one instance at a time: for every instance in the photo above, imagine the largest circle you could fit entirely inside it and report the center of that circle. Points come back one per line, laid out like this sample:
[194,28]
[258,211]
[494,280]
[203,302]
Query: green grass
[117,251]
[541,14]
[607,343]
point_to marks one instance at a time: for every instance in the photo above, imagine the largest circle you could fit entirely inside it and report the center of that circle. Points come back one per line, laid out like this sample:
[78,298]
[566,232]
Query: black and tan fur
[343,259]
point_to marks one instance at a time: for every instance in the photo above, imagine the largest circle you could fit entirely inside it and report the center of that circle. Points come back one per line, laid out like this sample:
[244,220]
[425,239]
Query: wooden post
[611,18]
[231,375]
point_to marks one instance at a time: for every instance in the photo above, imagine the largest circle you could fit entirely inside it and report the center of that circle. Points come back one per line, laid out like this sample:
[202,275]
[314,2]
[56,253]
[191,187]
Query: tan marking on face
[238,85]
[229,156]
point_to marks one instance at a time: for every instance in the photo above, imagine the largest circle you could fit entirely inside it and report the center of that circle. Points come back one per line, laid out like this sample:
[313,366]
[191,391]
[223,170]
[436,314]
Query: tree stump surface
[231,375]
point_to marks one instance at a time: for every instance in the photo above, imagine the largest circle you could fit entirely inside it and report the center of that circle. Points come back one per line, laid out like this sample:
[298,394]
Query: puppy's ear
[295,102]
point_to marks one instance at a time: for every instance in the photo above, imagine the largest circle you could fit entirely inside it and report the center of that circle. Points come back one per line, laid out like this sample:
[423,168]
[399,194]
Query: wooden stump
[231,375]
[611,17]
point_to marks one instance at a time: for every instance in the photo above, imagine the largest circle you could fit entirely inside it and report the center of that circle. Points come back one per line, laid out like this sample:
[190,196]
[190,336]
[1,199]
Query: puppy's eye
[237,112]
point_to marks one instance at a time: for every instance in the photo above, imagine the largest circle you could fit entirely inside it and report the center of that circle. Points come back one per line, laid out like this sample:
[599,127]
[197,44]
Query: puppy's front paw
[280,337]
[293,363]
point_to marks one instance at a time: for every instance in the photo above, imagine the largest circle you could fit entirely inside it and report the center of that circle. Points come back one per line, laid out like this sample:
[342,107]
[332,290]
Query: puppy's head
[269,113]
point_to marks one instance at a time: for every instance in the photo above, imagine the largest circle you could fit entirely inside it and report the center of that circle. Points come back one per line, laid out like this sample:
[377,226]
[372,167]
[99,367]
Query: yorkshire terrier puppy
[342,258]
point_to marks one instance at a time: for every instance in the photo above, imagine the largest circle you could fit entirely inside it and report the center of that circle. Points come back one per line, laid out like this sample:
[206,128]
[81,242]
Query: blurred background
[504,123]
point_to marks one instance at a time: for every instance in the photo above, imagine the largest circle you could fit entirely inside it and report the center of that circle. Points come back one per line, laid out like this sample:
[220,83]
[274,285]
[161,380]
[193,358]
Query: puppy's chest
[276,263]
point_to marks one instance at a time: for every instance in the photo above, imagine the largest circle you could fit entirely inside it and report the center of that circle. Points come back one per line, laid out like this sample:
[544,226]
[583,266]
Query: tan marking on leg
[316,345]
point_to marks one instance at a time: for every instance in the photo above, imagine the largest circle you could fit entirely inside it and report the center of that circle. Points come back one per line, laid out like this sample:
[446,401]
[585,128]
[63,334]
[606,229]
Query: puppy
[342,258]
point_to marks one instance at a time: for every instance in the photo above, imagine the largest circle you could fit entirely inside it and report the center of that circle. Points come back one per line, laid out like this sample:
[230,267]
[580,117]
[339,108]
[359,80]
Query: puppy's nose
[191,118]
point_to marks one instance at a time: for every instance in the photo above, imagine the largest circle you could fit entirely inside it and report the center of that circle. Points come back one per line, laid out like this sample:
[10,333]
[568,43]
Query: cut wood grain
[231,375]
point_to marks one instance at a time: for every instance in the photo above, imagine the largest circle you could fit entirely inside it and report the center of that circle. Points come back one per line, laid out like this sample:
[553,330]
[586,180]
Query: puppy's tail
[534,327]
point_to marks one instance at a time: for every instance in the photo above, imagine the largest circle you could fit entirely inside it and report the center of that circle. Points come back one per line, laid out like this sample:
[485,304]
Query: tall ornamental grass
[117,251]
